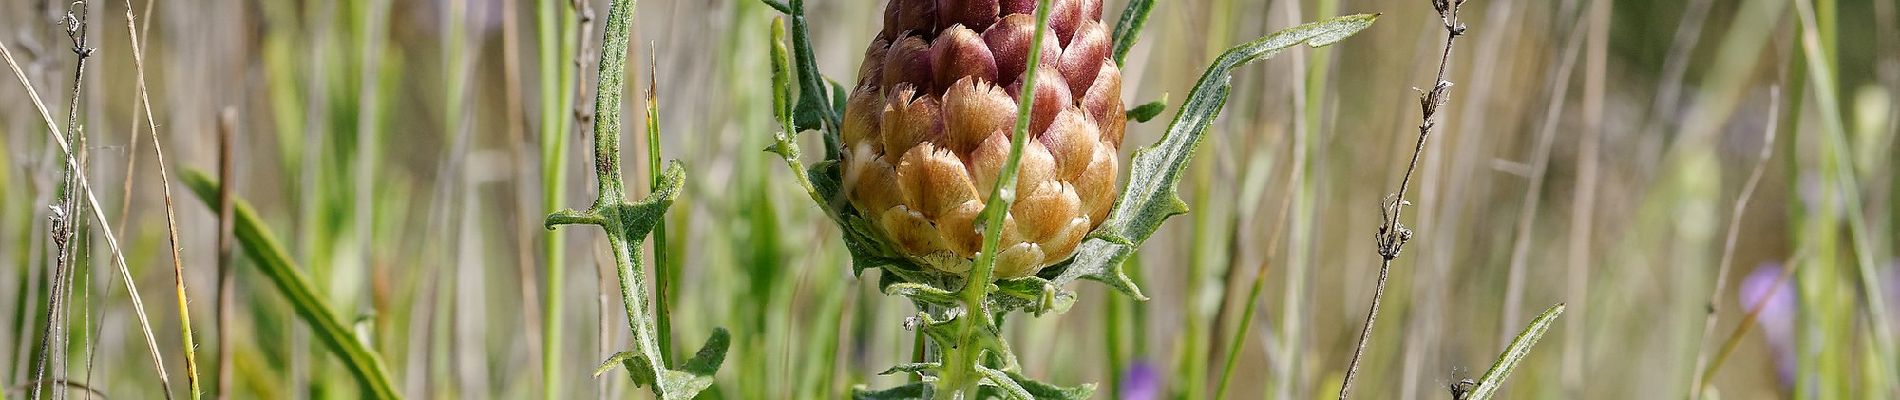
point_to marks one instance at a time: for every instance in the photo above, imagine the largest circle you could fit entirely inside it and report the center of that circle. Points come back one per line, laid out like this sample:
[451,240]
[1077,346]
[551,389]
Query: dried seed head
[928,130]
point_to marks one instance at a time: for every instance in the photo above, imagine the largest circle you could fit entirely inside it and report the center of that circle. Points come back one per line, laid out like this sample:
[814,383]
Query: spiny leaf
[1151,196]
[270,257]
[1520,347]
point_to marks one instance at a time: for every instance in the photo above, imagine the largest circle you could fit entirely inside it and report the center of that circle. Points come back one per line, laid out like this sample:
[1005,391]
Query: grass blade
[263,248]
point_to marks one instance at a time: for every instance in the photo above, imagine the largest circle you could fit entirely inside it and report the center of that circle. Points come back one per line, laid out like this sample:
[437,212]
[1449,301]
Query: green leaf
[1047,391]
[777,5]
[697,374]
[1128,29]
[910,391]
[1149,111]
[813,110]
[1006,383]
[1033,294]
[1016,386]
[910,368]
[711,355]
[275,263]
[924,294]
[1151,196]
[1520,347]
[612,362]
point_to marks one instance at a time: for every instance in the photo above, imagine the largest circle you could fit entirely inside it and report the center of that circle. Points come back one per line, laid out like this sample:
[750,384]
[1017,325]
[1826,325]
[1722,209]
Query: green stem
[1818,45]
[782,106]
[555,100]
[960,358]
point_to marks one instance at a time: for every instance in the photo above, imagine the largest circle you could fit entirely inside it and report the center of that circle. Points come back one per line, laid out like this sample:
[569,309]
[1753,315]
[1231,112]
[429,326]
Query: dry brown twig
[1392,235]
[1728,244]
[85,188]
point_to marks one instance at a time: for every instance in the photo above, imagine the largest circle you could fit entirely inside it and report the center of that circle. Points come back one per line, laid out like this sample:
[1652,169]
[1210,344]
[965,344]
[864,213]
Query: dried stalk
[1392,235]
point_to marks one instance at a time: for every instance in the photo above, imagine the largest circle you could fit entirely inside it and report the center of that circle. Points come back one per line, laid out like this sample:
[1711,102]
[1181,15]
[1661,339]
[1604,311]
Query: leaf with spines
[1151,196]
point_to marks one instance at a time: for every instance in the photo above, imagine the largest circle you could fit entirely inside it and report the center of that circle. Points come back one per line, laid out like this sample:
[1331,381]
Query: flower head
[929,124]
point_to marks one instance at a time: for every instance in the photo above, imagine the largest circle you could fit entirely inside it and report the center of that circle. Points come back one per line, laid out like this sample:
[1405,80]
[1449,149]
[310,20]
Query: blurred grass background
[401,149]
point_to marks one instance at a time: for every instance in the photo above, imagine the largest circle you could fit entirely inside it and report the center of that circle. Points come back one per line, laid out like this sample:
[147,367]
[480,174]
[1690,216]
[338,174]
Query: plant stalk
[552,35]
[1393,235]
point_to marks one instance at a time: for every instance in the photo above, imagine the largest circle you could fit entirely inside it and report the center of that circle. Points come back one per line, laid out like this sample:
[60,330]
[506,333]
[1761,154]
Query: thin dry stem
[1748,321]
[112,241]
[1392,235]
[1728,244]
[171,214]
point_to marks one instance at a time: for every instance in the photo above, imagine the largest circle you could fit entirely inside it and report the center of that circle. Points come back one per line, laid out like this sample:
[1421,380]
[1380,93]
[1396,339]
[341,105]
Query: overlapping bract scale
[928,130]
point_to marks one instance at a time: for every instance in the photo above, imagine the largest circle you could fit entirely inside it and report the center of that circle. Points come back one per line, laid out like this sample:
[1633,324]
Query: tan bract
[928,129]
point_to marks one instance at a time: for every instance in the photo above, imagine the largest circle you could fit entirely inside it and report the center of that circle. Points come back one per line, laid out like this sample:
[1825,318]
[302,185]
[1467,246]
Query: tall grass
[367,132]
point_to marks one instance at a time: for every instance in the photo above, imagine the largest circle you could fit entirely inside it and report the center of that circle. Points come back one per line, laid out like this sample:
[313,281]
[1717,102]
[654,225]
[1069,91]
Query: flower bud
[927,131]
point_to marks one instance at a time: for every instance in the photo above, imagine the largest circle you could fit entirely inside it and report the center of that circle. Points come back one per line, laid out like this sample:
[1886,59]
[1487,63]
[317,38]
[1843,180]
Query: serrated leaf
[1515,353]
[1151,196]
[909,391]
[1145,112]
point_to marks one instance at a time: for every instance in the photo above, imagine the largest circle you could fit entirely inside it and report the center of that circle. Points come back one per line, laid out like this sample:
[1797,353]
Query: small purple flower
[1777,315]
[1141,382]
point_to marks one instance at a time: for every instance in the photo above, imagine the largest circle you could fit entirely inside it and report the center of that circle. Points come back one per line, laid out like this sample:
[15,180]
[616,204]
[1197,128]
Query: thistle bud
[928,130]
